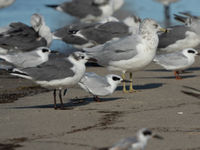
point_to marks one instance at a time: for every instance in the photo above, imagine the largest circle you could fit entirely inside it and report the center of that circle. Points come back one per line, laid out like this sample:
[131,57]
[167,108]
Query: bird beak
[92,59]
[53,52]
[158,137]
[163,30]
[198,54]
[126,81]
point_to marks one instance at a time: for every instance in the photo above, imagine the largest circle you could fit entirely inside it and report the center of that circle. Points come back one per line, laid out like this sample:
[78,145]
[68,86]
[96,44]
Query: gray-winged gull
[88,35]
[19,36]
[59,72]
[131,53]
[177,61]
[27,59]
[181,36]
[99,85]
[137,142]
[90,11]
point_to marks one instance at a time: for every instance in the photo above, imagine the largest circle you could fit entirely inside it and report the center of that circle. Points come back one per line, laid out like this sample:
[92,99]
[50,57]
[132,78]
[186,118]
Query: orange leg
[176,73]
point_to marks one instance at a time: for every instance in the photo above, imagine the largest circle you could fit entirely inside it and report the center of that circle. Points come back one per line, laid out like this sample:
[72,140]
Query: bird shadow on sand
[173,77]
[71,104]
[189,70]
[143,87]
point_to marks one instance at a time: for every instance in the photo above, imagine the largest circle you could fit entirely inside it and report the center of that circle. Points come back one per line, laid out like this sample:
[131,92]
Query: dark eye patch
[73,31]
[191,51]
[45,50]
[156,25]
[147,132]
[115,78]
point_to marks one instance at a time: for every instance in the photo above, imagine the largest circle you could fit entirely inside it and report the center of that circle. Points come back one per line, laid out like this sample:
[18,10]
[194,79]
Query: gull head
[190,52]
[36,21]
[145,134]
[113,79]
[80,57]
[43,51]
[149,25]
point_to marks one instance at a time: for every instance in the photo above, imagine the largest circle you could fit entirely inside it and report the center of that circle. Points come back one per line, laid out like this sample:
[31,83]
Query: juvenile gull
[98,85]
[90,11]
[6,3]
[19,36]
[88,35]
[27,59]
[59,72]
[138,142]
[177,61]
[131,53]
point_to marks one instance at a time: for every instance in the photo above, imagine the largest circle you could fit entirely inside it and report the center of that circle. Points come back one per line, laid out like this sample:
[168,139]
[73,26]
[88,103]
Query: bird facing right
[135,143]
[177,61]
[98,85]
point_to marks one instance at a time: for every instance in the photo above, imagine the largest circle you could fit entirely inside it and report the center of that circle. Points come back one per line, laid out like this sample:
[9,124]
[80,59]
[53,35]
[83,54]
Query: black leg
[61,101]
[54,95]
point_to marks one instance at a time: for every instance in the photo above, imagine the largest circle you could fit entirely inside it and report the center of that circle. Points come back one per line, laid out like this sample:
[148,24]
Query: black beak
[158,137]
[54,52]
[198,54]
[92,60]
[126,81]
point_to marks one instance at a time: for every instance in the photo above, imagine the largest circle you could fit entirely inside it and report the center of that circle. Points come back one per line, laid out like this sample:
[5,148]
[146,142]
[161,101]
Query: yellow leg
[124,84]
[131,90]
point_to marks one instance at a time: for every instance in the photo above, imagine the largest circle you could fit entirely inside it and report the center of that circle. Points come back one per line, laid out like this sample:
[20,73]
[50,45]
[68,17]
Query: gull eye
[115,78]
[73,31]
[155,25]
[82,57]
[44,50]
[147,132]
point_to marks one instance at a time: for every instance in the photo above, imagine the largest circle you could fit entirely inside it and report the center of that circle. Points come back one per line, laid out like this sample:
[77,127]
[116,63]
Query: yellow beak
[163,30]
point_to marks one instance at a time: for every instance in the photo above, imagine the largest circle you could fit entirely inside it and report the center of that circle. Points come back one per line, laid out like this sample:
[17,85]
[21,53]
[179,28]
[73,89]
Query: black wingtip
[180,18]
[52,6]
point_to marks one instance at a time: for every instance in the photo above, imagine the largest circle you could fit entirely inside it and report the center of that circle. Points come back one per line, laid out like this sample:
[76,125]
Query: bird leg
[96,98]
[61,101]
[54,95]
[124,84]
[131,89]
[176,73]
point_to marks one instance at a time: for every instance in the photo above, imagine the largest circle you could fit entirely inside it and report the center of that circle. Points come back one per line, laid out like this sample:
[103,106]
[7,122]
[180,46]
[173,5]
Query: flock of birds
[119,45]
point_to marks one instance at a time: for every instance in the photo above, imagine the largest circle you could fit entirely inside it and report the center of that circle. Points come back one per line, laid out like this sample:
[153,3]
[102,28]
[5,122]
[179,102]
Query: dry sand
[31,123]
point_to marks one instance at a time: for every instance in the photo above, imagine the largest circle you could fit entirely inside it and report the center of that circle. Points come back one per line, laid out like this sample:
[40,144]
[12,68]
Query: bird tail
[19,73]
[52,6]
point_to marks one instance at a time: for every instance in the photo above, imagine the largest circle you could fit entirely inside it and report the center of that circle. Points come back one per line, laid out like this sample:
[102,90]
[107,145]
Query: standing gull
[177,61]
[135,143]
[27,59]
[59,72]
[131,53]
[22,37]
[90,11]
[98,85]
[89,35]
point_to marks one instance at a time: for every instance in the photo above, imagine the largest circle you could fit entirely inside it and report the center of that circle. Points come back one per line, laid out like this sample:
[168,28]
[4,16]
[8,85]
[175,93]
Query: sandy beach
[29,122]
